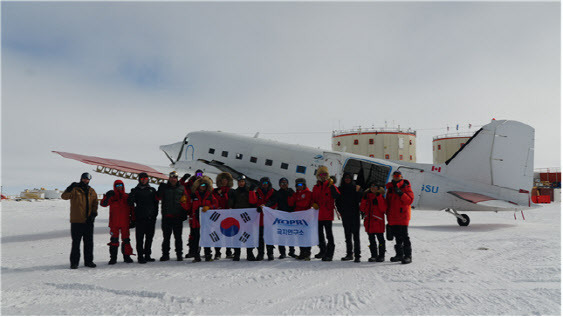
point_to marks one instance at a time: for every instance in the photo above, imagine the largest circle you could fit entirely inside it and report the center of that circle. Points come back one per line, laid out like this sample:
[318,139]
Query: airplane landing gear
[462,219]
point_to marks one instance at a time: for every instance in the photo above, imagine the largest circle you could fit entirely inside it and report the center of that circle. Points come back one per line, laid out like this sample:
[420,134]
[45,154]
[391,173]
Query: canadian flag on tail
[437,169]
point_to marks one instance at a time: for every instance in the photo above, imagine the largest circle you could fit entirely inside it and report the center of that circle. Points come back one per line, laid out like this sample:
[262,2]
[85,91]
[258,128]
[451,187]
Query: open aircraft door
[416,177]
[334,163]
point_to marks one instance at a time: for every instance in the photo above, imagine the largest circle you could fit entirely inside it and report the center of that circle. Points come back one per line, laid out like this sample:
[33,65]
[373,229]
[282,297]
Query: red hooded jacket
[301,200]
[374,208]
[323,197]
[120,213]
[399,207]
[258,198]
[199,199]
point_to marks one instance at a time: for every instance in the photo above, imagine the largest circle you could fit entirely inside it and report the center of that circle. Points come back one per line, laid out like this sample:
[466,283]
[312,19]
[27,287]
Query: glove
[259,208]
[381,191]
[132,224]
[110,194]
[330,182]
[90,219]
[398,191]
[204,209]
[185,177]
[71,187]
[363,215]
[315,206]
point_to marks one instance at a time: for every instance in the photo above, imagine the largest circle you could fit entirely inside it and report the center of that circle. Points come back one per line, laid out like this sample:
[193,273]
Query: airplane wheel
[461,222]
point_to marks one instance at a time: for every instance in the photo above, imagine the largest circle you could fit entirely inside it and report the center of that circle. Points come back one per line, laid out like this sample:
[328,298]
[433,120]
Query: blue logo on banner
[290,223]
[230,227]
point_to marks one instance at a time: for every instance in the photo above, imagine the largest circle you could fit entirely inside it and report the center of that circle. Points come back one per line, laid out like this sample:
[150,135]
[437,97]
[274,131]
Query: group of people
[182,199]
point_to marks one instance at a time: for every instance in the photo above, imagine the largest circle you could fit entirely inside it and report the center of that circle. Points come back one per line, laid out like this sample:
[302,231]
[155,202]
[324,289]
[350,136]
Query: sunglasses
[119,185]
[144,178]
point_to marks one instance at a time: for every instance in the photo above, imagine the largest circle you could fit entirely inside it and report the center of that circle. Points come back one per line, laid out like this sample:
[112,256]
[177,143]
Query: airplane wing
[484,200]
[120,168]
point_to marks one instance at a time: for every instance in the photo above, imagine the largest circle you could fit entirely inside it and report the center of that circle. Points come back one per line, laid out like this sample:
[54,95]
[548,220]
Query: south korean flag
[231,228]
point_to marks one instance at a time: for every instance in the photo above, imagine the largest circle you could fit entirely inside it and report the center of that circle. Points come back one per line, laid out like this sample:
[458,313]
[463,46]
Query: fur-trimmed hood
[223,175]
[320,170]
[204,179]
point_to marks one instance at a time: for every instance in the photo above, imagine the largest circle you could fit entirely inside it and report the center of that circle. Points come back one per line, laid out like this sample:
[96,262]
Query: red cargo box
[544,199]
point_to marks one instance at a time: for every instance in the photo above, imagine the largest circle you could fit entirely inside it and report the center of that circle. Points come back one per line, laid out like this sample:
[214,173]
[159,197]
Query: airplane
[492,171]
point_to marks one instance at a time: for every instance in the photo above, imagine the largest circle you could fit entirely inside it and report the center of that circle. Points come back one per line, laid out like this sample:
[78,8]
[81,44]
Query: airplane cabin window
[284,166]
[211,151]
[253,159]
[239,156]
[268,162]
[225,154]
[301,169]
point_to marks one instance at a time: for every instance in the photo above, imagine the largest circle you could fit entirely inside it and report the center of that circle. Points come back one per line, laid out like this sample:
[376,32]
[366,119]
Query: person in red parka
[188,182]
[373,207]
[121,216]
[301,200]
[202,200]
[224,193]
[399,199]
[324,194]
[263,196]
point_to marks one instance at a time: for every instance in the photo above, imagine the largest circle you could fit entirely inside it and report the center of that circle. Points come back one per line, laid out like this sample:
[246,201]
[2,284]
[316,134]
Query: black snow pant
[402,241]
[326,248]
[79,231]
[351,226]
[196,234]
[374,248]
[144,233]
[261,245]
[169,226]
[282,250]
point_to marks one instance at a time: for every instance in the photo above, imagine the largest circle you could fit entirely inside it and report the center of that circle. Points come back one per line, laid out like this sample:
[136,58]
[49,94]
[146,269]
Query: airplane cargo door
[416,177]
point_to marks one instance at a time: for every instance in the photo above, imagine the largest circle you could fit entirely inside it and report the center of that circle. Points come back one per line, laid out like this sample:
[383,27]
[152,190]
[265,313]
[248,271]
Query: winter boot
[90,264]
[373,251]
[357,259]
[217,253]
[179,257]
[381,256]
[270,257]
[127,250]
[148,257]
[208,258]
[329,253]
[292,252]
[113,246]
[408,255]
[229,253]
[141,259]
[348,257]
[399,254]
[250,256]
[282,256]
[197,258]
[321,253]
[164,257]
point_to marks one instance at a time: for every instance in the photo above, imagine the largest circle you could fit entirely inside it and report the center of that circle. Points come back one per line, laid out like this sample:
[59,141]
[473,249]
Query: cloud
[119,79]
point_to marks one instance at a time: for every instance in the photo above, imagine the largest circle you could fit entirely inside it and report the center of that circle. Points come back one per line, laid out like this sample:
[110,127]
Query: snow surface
[496,266]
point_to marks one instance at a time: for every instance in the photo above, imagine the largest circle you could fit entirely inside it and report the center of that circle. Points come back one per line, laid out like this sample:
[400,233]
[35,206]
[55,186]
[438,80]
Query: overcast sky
[119,79]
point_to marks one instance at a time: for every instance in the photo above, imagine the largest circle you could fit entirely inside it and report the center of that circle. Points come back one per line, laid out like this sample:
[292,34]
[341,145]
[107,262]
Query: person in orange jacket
[324,194]
[201,201]
[373,207]
[121,217]
[399,199]
[302,199]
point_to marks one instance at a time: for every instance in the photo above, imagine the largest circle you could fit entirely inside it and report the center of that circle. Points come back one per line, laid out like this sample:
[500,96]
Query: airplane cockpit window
[269,162]
[211,151]
[284,166]
[225,154]
[239,156]
[367,172]
[301,169]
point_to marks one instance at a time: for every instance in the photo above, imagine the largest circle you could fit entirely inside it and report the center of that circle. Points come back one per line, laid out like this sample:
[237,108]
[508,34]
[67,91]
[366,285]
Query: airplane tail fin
[501,153]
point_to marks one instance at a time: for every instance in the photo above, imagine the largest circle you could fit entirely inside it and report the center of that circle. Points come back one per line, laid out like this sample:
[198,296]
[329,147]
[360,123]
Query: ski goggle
[203,185]
[199,174]
[300,184]
[119,185]
[142,178]
[323,174]
[265,183]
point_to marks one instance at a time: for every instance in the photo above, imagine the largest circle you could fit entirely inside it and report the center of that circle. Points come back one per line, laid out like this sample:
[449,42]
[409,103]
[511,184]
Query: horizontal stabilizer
[484,200]
[118,167]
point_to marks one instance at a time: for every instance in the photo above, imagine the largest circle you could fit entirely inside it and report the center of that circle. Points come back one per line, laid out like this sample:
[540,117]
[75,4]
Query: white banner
[232,228]
[297,229]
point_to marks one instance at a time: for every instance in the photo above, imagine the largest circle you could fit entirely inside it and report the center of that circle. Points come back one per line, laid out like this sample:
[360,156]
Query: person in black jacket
[348,205]
[174,212]
[144,199]
[238,201]
[281,199]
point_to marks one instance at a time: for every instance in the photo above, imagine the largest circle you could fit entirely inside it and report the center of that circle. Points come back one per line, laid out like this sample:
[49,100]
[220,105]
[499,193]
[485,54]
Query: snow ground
[518,274]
